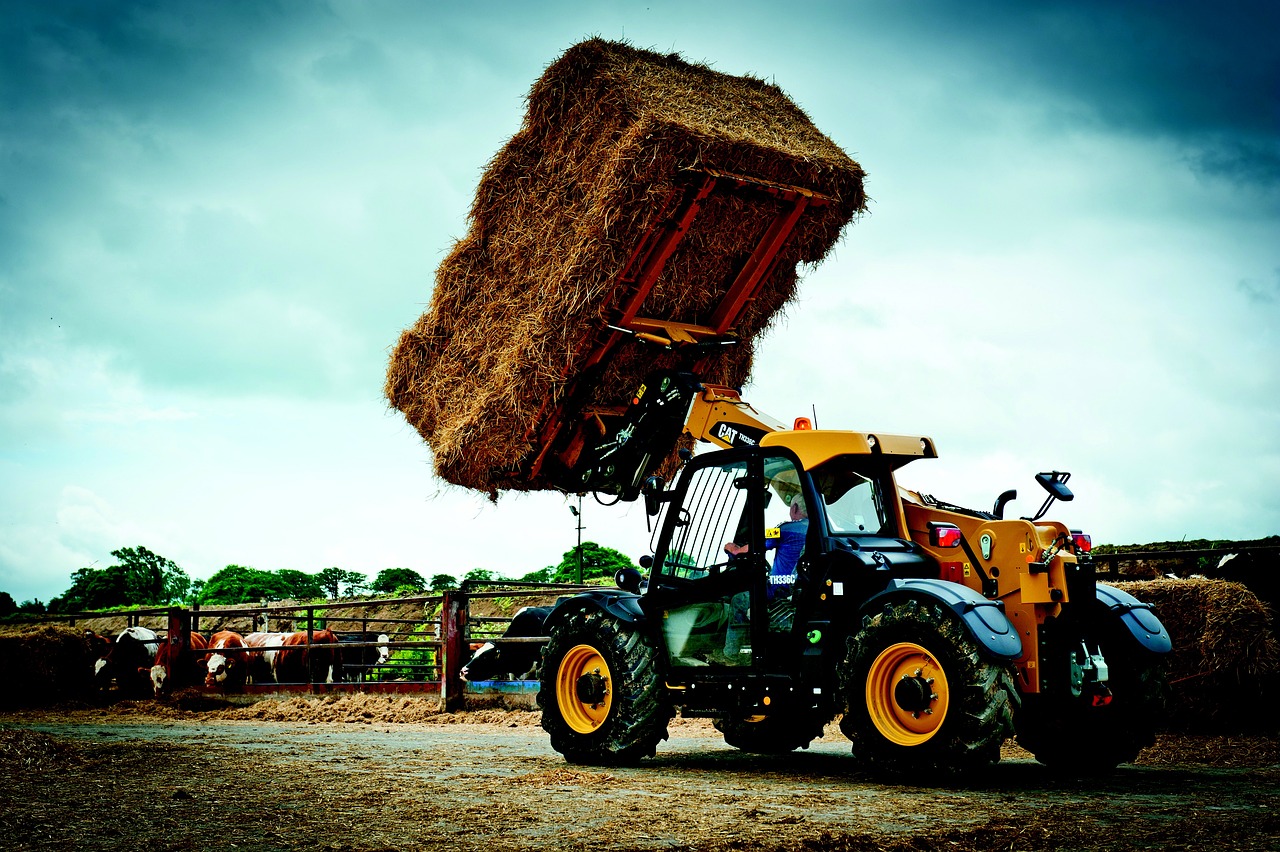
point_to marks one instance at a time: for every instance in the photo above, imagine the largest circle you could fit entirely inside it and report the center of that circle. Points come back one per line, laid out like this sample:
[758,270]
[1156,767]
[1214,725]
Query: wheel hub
[907,695]
[913,694]
[591,688]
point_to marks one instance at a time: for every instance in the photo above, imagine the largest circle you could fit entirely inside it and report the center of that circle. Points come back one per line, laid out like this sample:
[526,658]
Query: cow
[97,644]
[357,662]
[173,670]
[128,660]
[264,654]
[514,660]
[321,663]
[226,662]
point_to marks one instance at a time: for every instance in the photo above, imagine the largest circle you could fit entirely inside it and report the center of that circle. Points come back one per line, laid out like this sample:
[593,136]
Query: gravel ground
[374,773]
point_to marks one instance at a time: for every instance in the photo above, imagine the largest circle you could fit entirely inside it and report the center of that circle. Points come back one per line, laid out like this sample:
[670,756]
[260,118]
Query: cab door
[700,597]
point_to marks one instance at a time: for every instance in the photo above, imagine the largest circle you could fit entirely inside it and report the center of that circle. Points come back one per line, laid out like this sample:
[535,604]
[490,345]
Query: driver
[789,543]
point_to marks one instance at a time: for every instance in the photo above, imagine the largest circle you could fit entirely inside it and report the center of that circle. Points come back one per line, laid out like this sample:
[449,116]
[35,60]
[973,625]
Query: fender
[624,606]
[1138,617]
[983,618]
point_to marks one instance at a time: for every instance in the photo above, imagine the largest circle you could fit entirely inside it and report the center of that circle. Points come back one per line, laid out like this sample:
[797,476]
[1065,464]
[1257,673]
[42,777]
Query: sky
[216,218]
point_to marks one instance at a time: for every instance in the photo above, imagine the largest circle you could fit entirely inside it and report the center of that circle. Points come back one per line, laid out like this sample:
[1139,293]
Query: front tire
[919,694]
[601,696]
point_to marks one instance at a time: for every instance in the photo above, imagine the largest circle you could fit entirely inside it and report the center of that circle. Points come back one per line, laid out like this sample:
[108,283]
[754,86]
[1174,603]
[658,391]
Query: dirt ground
[370,773]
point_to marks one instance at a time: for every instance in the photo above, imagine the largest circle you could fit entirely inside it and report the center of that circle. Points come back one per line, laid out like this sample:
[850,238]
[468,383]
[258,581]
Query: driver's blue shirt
[790,546]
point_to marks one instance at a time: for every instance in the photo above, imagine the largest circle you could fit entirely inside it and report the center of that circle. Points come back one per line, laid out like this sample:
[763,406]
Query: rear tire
[919,694]
[1070,736]
[601,697]
[772,734]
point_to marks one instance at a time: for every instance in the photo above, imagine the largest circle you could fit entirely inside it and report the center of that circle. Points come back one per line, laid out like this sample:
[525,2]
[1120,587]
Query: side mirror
[653,496]
[1055,483]
[628,579]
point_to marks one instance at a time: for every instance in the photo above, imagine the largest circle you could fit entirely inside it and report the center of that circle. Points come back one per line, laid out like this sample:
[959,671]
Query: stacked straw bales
[1224,670]
[44,665]
[608,133]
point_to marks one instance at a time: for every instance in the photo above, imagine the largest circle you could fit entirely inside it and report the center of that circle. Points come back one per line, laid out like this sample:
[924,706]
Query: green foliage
[598,562]
[416,664]
[138,578]
[394,579]
[481,575]
[441,582]
[238,584]
[336,582]
[302,586]
[8,606]
[542,575]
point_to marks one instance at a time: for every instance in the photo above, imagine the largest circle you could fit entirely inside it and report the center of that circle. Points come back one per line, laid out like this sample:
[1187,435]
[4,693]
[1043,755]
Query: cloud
[1261,292]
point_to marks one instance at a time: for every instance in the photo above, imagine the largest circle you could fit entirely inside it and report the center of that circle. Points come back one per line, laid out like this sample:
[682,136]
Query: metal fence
[428,650]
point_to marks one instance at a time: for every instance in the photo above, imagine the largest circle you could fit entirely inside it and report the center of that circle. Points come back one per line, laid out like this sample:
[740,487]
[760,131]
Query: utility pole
[577,513]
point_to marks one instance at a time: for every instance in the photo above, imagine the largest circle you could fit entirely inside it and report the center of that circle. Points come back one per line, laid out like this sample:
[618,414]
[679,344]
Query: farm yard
[368,772]
[386,766]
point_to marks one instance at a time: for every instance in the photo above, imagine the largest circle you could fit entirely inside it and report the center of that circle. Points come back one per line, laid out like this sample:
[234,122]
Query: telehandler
[935,632]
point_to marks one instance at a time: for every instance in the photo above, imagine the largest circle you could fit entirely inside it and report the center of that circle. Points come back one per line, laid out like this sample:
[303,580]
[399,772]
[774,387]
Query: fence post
[453,635]
[178,638]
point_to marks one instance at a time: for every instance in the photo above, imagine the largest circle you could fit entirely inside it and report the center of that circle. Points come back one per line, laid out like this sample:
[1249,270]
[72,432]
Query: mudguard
[1138,617]
[624,606]
[985,619]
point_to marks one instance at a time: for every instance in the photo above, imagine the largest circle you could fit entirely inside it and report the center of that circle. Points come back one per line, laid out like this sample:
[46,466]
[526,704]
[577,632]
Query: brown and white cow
[227,663]
[172,670]
[263,655]
[321,663]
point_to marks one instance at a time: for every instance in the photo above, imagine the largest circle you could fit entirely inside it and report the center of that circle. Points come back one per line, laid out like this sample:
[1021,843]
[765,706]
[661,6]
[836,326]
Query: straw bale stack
[1225,661]
[608,132]
[44,665]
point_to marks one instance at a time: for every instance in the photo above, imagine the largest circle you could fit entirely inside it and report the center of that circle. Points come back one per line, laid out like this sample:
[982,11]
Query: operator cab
[743,558]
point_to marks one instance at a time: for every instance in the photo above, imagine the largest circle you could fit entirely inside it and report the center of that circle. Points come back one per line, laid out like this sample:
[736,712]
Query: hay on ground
[609,135]
[43,666]
[1225,663]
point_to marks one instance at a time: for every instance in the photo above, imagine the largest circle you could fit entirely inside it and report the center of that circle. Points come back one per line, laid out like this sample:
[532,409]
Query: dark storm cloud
[1205,75]
[113,116]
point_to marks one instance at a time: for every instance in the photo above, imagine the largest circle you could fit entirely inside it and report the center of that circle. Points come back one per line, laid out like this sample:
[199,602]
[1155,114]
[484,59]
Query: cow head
[384,652]
[219,666]
[158,675]
[484,663]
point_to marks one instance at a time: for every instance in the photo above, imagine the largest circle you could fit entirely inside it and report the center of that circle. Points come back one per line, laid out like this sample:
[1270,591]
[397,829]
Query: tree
[480,575]
[597,561]
[93,588]
[302,586]
[8,606]
[336,582]
[138,577]
[393,579]
[237,584]
[440,582]
[542,575]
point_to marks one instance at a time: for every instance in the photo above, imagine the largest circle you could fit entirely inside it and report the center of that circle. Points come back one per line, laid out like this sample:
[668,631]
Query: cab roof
[815,446]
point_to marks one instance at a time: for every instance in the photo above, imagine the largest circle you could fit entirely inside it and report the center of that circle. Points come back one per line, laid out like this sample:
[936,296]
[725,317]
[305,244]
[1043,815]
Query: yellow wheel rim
[907,694]
[584,689]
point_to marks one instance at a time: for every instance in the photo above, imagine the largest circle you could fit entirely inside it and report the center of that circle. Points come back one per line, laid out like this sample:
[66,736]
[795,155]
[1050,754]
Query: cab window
[853,498]
[712,513]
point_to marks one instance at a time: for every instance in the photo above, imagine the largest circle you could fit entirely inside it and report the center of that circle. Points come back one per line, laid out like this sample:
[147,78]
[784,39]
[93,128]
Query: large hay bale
[43,666]
[608,133]
[1225,662]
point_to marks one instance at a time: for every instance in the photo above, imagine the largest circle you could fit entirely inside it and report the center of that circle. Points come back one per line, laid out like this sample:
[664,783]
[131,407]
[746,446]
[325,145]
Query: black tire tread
[983,697]
[639,715]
